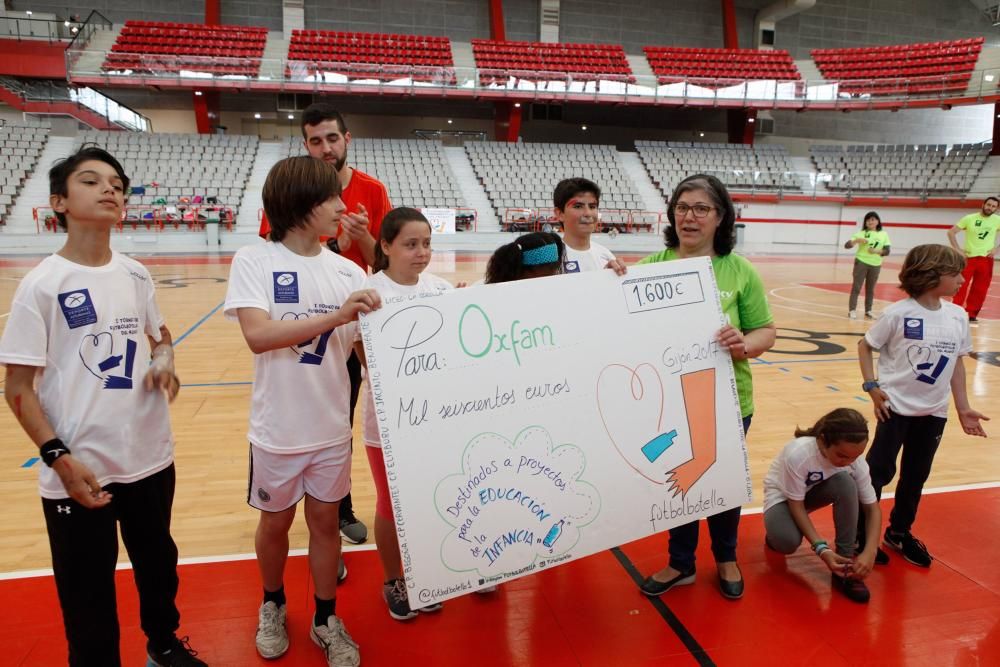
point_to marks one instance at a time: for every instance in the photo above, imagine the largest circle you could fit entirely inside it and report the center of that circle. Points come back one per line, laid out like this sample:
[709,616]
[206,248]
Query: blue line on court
[33,460]
[831,387]
[784,370]
[817,361]
[861,398]
[177,341]
[806,377]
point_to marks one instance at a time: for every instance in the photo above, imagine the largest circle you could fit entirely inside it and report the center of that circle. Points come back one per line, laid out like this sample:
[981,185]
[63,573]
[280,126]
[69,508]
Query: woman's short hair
[725,233]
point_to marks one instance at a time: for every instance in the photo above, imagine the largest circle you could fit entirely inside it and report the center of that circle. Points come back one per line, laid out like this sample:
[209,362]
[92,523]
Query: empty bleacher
[157,48]
[176,176]
[675,64]
[362,55]
[415,171]
[517,175]
[756,168]
[20,147]
[543,61]
[902,169]
[932,67]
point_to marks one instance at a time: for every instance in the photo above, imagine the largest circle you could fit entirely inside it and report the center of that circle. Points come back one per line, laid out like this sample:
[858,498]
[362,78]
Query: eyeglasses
[699,210]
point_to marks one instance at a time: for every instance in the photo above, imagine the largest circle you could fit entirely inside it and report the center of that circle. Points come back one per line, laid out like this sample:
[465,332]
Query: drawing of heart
[298,316]
[97,353]
[630,402]
[919,357]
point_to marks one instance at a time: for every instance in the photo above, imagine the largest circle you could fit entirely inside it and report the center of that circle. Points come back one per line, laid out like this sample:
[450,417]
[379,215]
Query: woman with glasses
[702,224]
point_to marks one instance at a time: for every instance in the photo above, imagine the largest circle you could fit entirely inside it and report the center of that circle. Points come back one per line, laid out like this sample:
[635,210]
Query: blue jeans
[723,528]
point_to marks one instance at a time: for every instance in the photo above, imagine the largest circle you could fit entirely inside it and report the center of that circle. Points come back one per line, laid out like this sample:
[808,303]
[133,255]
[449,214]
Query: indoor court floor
[590,611]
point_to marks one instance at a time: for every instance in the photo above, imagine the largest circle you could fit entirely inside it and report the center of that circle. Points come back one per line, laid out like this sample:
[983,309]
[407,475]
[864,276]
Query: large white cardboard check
[531,423]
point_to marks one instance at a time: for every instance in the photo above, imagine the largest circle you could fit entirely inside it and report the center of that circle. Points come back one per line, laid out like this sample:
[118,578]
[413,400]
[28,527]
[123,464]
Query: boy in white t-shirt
[297,303]
[921,342]
[577,204]
[85,324]
[823,466]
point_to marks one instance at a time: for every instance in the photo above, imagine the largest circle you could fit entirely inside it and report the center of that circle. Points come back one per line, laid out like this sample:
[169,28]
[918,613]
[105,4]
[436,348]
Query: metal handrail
[95,21]
[85,98]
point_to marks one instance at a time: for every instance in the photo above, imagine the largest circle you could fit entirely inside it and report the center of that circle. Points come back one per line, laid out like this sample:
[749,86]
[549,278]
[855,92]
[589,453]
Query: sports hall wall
[634,24]
[631,23]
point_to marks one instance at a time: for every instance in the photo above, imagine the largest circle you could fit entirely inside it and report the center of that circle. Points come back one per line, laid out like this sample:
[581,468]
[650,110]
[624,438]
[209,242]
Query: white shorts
[278,481]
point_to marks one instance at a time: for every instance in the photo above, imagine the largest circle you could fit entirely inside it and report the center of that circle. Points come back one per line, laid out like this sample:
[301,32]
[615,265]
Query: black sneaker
[973,320]
[396,598]
[881,557]
[180,654]
[912,549]
[854,589]
[351,529]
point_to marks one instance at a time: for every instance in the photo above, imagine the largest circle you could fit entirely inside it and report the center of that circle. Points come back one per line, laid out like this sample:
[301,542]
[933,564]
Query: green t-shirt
[980,233]
[871,253]
[744,302]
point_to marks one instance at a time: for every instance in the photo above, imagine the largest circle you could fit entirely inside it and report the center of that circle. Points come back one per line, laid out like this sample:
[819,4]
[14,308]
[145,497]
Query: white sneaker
[853,314]
[340,649]
[272,637]
[341,569]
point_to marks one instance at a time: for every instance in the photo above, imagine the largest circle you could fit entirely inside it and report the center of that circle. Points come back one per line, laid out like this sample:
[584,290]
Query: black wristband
[52,450]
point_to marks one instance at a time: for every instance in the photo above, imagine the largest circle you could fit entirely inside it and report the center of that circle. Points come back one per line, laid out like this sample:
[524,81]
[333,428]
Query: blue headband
[546,254]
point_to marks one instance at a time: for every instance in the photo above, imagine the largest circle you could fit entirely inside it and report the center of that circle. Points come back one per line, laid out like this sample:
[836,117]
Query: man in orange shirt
[327,138]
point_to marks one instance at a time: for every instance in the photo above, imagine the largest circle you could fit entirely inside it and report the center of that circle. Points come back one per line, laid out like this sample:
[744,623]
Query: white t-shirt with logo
[918,349]
[86,328]
[800,466]
[575,261]
[301,393]
[428,285]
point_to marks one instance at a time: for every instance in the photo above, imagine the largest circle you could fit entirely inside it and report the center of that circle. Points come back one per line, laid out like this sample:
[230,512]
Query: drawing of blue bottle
[554,532]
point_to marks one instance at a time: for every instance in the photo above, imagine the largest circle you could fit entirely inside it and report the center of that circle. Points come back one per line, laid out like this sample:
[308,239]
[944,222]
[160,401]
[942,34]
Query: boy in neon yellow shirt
[873,244]
[980,246]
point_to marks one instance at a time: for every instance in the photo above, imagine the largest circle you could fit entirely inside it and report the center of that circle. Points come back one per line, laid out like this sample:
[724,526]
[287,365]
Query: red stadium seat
[674,64]
[381,56]
[586,62]
[171,47]
[933,67]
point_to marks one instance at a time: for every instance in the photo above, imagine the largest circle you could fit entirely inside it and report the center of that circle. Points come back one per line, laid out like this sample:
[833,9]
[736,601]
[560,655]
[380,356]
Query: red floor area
[889,291]
[590,612]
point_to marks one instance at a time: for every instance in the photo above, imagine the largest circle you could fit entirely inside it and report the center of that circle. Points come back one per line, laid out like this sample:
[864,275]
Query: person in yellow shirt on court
[873,245]
[980,247]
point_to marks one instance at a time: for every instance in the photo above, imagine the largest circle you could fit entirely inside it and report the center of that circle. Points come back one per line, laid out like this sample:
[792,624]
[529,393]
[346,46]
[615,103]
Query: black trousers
[919,438]
[84,545]
[354,373]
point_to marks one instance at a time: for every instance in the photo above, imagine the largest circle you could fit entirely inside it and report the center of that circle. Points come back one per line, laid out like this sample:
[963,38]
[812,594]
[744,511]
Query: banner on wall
[528,424]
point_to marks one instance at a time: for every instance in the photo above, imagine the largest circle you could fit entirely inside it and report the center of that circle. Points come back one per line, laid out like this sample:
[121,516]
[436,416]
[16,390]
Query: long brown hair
[840,425]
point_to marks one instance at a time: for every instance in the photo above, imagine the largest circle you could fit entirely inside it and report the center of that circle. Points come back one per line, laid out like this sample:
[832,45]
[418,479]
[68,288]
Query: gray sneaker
[395,596]
[337,645]
[352,530]
[272,637]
